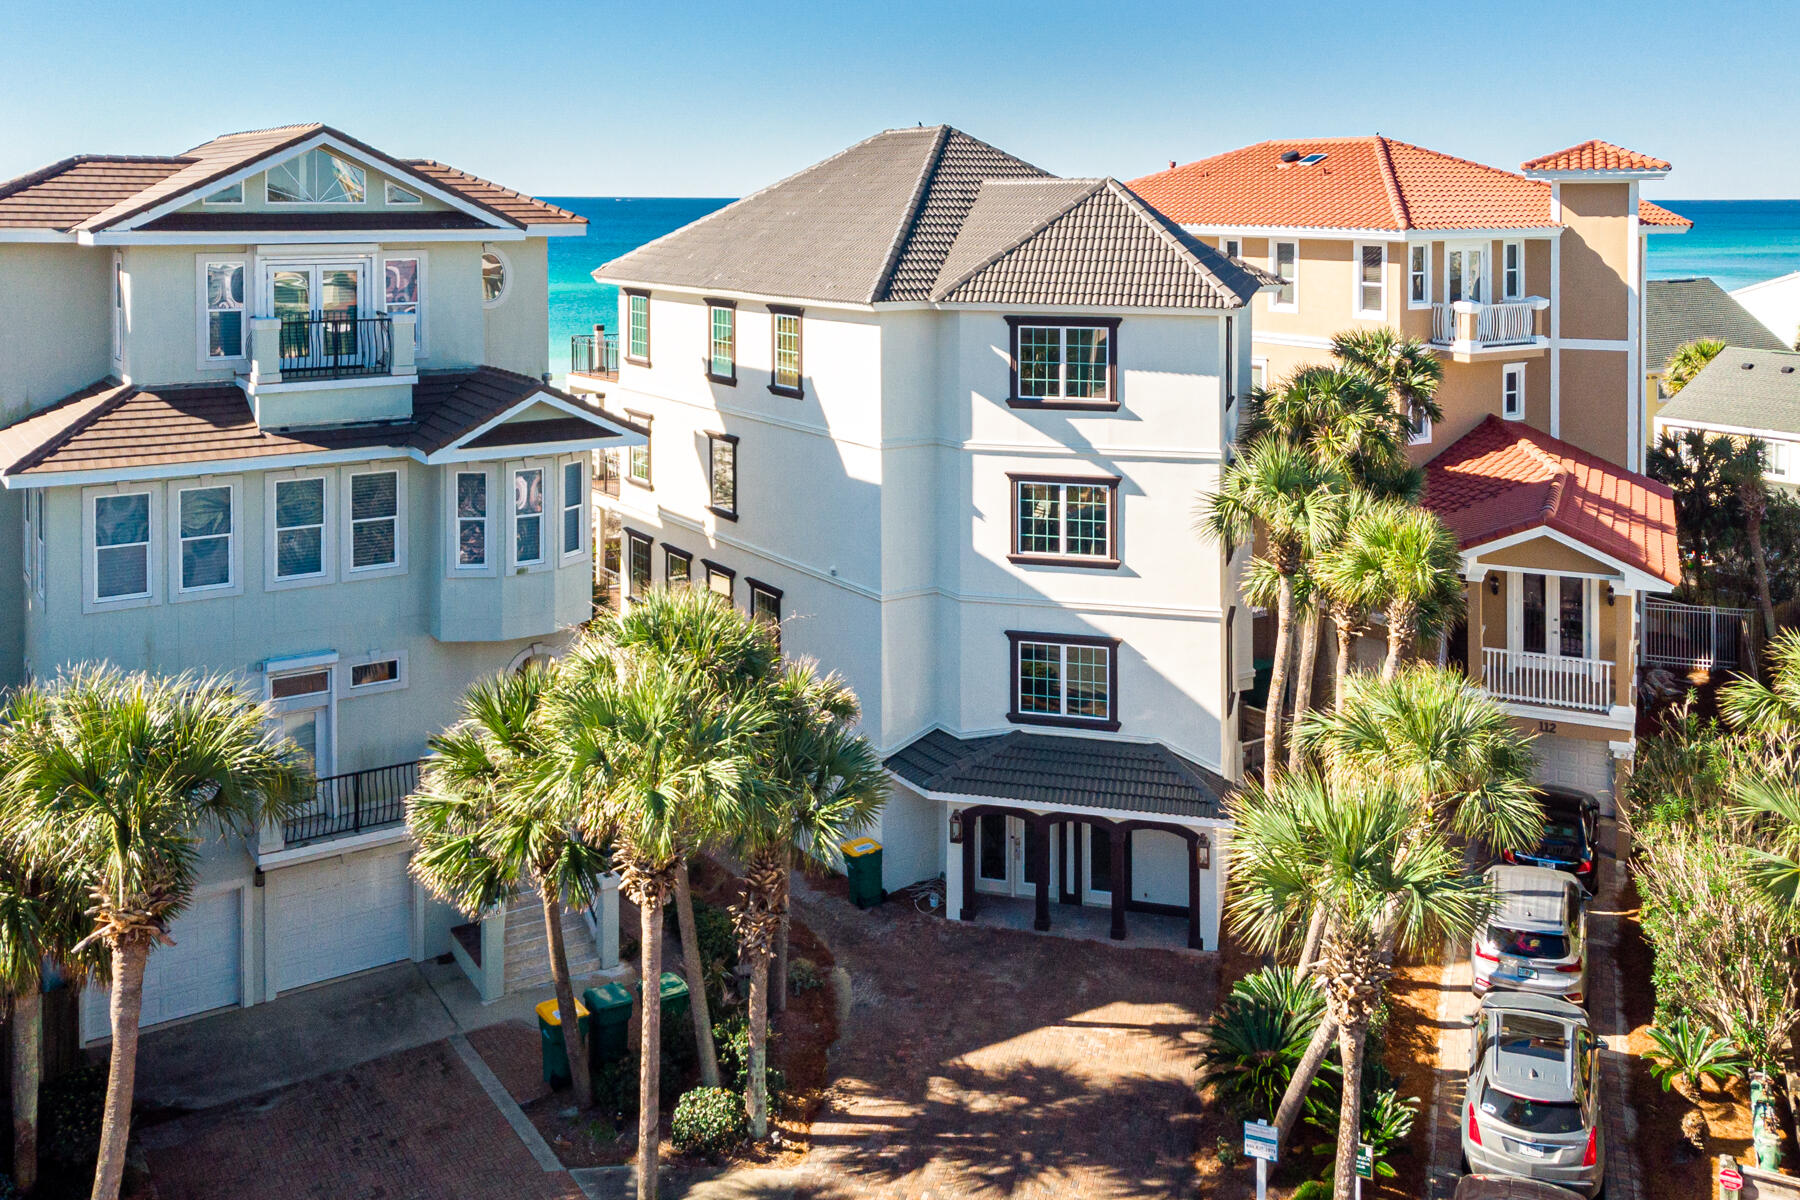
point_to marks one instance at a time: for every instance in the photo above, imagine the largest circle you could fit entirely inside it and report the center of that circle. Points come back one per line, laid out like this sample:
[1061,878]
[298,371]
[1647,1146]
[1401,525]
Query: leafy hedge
[709,1121]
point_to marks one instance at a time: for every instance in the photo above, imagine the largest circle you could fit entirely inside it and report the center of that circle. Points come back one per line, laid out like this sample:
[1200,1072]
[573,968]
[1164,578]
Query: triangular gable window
[399,195]
[316,177]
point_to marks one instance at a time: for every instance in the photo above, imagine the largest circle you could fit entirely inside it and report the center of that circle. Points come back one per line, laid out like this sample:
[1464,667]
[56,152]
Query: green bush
[1387,1119]
[709,1121]
[731,1037]
[1313,1189]
[70,1108]
[804,976]
[616,1084]
[1257,1037]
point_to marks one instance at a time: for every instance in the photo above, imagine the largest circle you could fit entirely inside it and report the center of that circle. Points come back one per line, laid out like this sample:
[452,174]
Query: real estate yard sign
[1262,1144]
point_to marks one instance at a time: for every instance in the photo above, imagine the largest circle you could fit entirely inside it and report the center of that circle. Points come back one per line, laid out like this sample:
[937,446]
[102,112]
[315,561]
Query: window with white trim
[204,526]
[36,543]
[1512,270]
[637,458]
[637,327]
[230,194]
[300,528]
[316,176]
[1259,374]
[378,674]
[374,519]
[1418,275]
[1371,279]
[495,277]
[1284,264]
[1418,428]
[472,534]
[1060,680]
[528,515]
[1779,458]
[1232,246]
[118,306]
[1512,391]
[403,291]
[224,299]
[121,546]
[402,196]
[1064,519]
[574,508]
[1063,362]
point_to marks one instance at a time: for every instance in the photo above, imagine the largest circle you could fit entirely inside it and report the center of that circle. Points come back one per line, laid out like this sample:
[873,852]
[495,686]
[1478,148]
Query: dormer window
[399,195]
[316,177]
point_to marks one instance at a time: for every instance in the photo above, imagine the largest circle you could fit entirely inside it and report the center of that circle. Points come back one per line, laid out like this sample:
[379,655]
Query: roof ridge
[269,129]
[915,207]
[990,742]
[1391,182]
[944,289]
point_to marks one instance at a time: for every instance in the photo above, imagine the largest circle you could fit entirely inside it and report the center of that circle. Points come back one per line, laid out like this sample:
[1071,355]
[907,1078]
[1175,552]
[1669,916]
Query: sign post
[1365,1165]
[1261,1144]
[1731,1180]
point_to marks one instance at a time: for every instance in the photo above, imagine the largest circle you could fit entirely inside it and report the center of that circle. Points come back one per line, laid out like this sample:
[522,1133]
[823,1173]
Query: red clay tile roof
[1656,214]
[1595,155]
[1361,183]
[1504,477]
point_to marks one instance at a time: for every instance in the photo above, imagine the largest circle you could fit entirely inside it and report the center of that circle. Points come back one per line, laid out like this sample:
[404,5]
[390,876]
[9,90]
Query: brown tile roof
[111,426]
[62,195]
[1504,477]
[526,210]
[1595,155]
[1360,183]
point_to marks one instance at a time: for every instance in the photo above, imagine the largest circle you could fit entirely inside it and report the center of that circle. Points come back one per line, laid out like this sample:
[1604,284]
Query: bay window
[121,528]
[574,509]
[223,288]
[403,289]
[472,532]
[528,516]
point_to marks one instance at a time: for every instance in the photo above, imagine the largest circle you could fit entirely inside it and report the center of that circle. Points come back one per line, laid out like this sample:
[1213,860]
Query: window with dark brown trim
[765,605]
[721,341]
[785,377]
[1063,679]
[678,566]
[721,475]
[637,327]
[1065,520]
[720,579]
[1063,362]
[1230,660]
[637,458]
[637,561]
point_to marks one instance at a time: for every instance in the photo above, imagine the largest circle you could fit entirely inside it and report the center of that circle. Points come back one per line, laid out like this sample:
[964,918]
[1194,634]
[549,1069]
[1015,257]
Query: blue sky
[714,100]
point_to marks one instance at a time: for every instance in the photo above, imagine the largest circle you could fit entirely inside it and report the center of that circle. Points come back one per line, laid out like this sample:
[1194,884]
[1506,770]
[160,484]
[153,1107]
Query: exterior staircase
[527,957]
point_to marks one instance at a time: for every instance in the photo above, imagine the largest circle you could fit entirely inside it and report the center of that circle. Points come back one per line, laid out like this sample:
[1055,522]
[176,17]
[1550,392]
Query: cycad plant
[116,787]
[1686,1055]
[1256,1038]
[489,818]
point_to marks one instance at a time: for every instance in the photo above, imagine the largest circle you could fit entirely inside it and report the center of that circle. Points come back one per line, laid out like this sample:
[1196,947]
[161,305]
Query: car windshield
[1528,943]
[1533,1116]
[1561,835]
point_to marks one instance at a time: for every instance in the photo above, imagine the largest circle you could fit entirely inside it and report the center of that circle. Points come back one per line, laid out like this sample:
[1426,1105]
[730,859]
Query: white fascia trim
[36,235]
[626,437]
[381,162]
[1683,424]
[807,302]
[1615,344]
[1055,309]
[1304,340]
[301,238]
[558,230]
[1619,716]
[299,662]
[1113,814]
[534,449]
[1633,578]
[1496,233]
[322,385]
[1617,176]
[188,470]
[371,839]
[1292,232]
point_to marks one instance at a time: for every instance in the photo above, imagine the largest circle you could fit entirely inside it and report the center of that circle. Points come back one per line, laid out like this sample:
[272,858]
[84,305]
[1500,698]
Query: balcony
[593,359]
[353,803]
[331,369]
[1577,684]
[1467,328]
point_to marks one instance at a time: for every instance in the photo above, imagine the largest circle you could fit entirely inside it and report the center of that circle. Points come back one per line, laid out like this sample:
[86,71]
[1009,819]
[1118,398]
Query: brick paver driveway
[987,1062]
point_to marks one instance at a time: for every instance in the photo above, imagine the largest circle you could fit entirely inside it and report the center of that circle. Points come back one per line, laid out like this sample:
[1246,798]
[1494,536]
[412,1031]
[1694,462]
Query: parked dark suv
[1568,841]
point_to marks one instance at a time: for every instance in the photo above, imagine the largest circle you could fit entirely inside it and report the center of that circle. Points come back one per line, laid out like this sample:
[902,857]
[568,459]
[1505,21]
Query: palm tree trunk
[1294,1099]
[650,914]
[128,956]
[756,1093]
[696,973]
[1284,617]
[1303,681]
[1340,623]
[1753,519]
[778,984]
[1399,637]
[574,1044]
[1315,933]
[27,1063]
[1350,1051]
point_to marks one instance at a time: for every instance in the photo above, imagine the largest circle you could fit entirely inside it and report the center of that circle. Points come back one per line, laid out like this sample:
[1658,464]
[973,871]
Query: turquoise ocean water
[1737,242]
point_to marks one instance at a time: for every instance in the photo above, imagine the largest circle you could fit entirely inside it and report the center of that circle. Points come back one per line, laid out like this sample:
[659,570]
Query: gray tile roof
[1678,311]
[1052,770]
[1749,389]
[934,214]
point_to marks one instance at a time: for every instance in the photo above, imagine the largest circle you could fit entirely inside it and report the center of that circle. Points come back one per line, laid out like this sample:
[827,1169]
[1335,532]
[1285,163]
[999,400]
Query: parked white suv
[1532,1105]
[1536,939]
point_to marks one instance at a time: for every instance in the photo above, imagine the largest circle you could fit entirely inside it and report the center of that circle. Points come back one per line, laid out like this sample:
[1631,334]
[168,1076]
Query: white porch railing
[1503,324]
[1578,683]
[1508,324]
[1695,635]
[1443,324]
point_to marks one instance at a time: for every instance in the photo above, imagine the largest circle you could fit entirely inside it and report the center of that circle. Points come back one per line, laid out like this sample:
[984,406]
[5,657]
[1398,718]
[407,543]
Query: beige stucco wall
[1595,260]
[1595,393]
[1546,554]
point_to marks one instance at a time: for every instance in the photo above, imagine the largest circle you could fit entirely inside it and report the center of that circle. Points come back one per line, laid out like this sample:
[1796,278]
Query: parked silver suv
[1536,939]
[1532,1106]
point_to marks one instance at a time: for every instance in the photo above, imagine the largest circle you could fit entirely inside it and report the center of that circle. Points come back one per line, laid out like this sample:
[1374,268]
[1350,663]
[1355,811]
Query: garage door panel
[1576,763]
[202,971]
[337,916]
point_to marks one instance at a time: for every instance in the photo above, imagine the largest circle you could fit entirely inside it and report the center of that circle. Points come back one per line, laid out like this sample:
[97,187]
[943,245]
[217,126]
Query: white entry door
[202,971]
[1463,276]
[336,916]
[1003,849]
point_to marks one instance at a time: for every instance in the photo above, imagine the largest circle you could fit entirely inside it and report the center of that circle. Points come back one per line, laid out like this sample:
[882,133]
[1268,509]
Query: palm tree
[1402,559]
[1342,417]
[1769,710]
[1775,870]
[1262,588]
[1688,361]
[657,759]
[1282,490]
[488,819]
[1744,472]
[1407,370]
[1353,847]
[817,782]
[116,786]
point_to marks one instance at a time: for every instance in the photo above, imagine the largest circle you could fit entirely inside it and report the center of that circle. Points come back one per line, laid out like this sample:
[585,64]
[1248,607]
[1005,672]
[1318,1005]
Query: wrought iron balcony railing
[336,347]
[353,802]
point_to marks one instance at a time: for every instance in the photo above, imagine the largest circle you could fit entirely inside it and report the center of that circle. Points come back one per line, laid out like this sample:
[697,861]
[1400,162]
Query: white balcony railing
[1576,683]
[1462,321]
[1693,635]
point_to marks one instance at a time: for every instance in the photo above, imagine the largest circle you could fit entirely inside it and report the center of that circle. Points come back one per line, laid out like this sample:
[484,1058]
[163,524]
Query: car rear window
[1533,1116]
[1528,943]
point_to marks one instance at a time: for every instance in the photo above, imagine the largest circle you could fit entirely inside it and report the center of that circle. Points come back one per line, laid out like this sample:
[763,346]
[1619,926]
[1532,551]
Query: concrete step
[527,956]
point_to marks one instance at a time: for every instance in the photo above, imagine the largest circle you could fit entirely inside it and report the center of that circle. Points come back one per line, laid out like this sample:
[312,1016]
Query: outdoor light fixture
[1493,584]
[1609,595]
[956,828]
[1203,853]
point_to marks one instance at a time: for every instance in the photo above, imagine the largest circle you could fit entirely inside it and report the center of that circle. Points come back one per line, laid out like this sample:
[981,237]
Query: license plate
[1532,1151]
[1515,967]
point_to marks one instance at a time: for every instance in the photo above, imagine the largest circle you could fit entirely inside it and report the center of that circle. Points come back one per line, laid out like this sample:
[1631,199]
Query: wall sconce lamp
[1493,583]
[1203,853]
[1609,595]
[956,829]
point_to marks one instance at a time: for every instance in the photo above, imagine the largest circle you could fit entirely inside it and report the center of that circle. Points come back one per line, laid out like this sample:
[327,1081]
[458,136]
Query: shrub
[1256,1038]
[709,1121]
[1687,1054]
[731,1038]
[70,1108]
[616,1083]
[804,976]
[1386,1121]
[1313,1189]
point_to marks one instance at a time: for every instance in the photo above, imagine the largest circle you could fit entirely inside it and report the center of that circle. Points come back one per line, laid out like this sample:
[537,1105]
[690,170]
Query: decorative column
[1119,884]
[1194,939]
[971,831]
[1477,628]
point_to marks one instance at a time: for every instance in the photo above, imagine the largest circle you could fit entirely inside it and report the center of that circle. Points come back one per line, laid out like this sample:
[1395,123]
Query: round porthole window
[494,277]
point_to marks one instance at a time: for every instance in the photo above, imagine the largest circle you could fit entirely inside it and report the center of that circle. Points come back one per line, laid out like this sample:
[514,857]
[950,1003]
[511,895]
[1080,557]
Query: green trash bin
[610,1009]
[556,1055]
[674,997]
[862,864]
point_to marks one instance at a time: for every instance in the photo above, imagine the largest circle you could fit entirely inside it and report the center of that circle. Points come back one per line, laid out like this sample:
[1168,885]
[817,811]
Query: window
[765,605]
[1512,391]
[637,327]
[720,579]
[300,528]
[1070,363]
[1778,458]
[1230,659]
[1230,364]
[1371,285]
[399,195]
[1512,270]
[1259,374]
[122,546]
[494,278]
[1232,246]
[1064,680]
[574,508]
[1064,519]
[471,519]
[678,566]
[722,474]
[637,458]
[1310,159]
[316,177]
[231,193]
[785,379]
[375,675]
[36,541]
[1418,275]
[721,362]
[203,520]
[224,310]
[303,683]
[118,306]
[528,516]
[374,520]
[403,285]
[637,561]
[1419,425]
[1284,263]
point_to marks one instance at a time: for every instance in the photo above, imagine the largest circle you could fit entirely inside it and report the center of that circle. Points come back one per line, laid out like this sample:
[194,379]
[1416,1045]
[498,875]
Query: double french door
[1006,851]
[318,305]
[1555,615]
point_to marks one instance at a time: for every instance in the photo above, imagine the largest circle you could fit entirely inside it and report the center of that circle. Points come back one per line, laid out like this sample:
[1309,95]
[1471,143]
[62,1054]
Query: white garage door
[336,916]
[1576,763]
[203,970]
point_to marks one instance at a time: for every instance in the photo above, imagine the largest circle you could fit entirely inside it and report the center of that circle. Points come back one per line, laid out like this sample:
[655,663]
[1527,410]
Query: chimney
[1171,164]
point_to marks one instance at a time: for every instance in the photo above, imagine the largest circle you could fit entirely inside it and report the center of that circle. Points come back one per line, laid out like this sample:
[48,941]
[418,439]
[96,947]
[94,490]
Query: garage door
[1159,868]
[1576,763]
[203,970]
[336,916]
